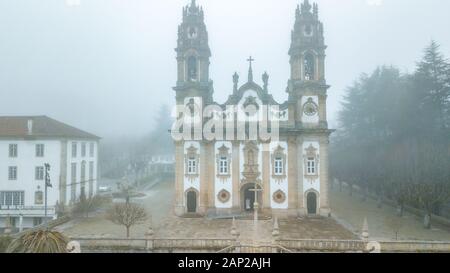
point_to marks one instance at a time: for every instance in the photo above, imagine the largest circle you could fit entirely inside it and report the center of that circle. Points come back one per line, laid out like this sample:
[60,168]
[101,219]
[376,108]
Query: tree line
[393,138]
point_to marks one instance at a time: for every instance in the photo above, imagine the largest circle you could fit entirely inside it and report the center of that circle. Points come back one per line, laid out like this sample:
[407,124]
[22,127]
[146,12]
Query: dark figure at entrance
[191,202]
[249,200]
[311,202]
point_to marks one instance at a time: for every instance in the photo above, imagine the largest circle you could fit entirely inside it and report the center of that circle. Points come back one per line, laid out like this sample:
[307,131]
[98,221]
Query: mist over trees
[393,138]
[119,154]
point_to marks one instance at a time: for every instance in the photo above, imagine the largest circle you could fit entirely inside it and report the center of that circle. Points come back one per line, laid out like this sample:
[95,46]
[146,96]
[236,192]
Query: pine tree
[432,81]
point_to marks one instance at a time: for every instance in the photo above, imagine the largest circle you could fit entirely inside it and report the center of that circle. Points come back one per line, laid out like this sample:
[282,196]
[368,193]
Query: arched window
[192,69]
[309,67]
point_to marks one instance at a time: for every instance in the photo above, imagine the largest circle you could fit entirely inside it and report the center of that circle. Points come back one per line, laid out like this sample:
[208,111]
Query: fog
[105,66]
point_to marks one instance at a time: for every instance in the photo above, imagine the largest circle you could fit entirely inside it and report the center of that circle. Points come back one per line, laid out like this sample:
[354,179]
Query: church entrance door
[248,197]
[191,202]
[311,203]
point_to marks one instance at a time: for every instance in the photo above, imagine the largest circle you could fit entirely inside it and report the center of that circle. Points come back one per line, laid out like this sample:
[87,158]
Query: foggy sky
[106,65]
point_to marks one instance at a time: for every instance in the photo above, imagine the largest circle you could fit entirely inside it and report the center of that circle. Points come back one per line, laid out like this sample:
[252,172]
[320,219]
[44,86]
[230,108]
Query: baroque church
[285,177]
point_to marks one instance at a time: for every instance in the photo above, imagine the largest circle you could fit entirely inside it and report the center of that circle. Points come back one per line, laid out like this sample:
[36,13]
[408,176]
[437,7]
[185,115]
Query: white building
[26,145]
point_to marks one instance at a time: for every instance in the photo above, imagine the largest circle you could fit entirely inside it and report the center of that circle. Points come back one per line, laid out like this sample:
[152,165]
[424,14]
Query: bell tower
[307,84]
[193,54]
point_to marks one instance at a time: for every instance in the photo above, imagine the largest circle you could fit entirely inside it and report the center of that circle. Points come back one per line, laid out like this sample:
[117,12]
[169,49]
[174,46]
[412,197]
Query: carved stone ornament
[310,108]
[224,196]
[279,197]
[251,166]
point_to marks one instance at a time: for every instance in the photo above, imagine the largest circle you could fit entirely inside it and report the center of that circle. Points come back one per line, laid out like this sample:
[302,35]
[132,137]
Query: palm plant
[39,241]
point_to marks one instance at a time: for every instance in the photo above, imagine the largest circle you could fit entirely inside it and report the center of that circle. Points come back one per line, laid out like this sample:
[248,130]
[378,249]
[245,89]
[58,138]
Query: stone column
[324,201]
[235,157]
[211,175]
[179,179]
[265,175]
[292,176]
[20,223]
[300,201]
[204,187]
[322,109]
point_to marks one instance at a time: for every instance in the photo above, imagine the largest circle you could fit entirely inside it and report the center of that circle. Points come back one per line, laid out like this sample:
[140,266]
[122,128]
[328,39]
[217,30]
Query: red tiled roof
[42,126]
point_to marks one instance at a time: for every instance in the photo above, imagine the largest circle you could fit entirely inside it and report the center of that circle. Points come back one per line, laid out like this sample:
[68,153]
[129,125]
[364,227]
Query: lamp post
[47,184]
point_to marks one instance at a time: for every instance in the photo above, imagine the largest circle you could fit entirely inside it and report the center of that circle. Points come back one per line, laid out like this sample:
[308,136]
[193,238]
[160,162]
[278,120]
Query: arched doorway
[191,200]
[248,197]
[311,203]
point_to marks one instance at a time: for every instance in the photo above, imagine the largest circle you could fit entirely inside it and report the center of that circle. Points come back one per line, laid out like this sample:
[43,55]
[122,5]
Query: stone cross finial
[250,70]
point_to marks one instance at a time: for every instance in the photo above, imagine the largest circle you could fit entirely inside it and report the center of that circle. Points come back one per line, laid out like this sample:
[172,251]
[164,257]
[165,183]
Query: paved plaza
[348,215]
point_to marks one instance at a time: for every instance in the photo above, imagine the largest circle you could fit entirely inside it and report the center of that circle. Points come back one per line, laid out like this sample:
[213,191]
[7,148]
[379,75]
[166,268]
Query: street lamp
[47,184]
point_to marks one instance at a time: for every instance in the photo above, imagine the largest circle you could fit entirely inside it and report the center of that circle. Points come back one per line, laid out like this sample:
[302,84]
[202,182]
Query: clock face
[310,108]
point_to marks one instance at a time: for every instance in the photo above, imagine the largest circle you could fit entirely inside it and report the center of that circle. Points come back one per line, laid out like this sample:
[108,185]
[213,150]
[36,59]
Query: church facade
[284,175]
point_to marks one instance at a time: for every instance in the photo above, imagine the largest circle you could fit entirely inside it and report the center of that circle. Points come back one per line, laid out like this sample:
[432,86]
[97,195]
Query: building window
[311,166]
[309,67]
[12,173]
[91,170]
[192,166]
[37,221]
[12,150]
[38,198]
[83,149]
[278,168]
[83,171]
[39,173]
[39,150]
[223,165]
[12,198]
[278,160]
[192,69]
[74,149]
[91,149]
[91,178]
[73,181]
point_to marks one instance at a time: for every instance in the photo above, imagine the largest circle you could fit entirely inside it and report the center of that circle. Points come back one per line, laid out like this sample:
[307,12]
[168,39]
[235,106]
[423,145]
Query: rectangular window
[39,173]
[223,165]
[12,150]
[91,170]
[311,166]
[73,181]
[74,149]
[91,178]
[12,198]
[278,168]
[37,221]
[192,166]
[83,149]
[39,198]
[39,150]
[83,172]
[12,173]
[91,149]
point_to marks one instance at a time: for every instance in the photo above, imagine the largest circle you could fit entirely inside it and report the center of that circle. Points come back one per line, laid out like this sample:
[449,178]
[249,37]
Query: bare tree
[127,215]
